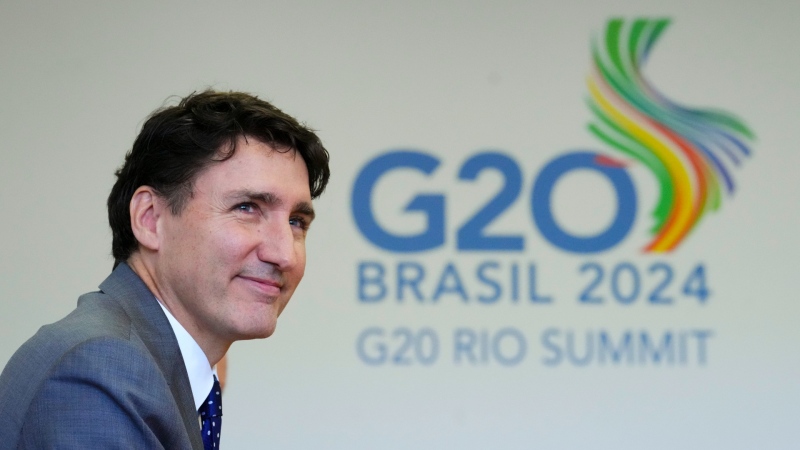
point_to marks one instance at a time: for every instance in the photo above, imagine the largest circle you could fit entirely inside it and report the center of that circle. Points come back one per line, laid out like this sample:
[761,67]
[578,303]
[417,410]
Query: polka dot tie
[211,417]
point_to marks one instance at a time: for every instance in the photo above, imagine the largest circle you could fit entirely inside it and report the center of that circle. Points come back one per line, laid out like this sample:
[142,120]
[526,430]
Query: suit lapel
[155,331]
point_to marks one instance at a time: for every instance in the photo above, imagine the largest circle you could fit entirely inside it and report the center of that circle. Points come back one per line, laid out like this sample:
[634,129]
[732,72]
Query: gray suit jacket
[109,375]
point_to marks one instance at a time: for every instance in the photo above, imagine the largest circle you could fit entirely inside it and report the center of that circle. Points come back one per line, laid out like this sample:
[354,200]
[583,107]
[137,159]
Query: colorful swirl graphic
[690,151]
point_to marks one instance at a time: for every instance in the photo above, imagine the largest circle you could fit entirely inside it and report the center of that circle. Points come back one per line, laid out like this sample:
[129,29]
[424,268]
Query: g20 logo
[472,235]
[689,152]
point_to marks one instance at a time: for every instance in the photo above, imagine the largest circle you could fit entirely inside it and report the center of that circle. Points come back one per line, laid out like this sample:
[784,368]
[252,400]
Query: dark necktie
[211,417]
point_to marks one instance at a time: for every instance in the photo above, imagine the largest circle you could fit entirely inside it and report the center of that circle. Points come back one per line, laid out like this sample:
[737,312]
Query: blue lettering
[497,347]
[656,354]
[616,353]
[445,287]
[377,353]
[370,274]
[514,282]
[547,336]
[572,354]
[701,336]
[413,281]
[483,278]
[542,211]
[464,339]
[431,205]
[471,235]
[532,294]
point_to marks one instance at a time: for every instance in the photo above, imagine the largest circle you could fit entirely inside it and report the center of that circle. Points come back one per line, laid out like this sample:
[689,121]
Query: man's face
[230,261]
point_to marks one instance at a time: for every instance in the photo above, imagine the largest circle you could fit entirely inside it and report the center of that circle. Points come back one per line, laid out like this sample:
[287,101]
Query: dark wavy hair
[178,142]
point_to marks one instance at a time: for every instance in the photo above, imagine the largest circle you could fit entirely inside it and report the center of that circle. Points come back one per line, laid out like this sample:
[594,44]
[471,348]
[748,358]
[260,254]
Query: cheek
[301,260]
[232,244]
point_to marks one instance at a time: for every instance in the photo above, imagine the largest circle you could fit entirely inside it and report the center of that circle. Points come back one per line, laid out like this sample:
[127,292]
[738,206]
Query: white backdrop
[451,79]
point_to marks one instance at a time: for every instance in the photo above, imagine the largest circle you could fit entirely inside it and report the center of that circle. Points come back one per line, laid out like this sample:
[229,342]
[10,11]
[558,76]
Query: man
[209,216]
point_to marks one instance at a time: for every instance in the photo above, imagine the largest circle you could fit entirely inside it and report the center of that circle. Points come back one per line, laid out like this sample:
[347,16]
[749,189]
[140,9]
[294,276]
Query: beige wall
[452,78]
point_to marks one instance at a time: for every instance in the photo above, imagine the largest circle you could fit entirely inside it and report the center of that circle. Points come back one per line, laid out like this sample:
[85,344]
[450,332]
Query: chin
[260,332]
[255,323]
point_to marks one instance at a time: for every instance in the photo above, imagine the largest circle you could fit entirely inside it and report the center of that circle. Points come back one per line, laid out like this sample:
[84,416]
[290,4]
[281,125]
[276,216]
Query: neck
[213,348]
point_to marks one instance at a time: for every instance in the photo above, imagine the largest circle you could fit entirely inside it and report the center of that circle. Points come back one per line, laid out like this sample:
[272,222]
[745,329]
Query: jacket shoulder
[105,392]
[91,355]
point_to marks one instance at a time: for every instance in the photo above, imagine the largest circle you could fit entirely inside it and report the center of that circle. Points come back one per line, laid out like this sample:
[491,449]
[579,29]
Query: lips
[271,288]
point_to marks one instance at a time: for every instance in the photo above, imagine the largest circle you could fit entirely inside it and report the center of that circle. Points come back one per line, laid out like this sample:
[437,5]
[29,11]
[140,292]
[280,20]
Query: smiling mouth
[270,288]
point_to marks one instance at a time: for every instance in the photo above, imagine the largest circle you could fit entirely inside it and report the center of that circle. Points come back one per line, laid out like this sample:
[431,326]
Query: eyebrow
[271,199]
[305,208]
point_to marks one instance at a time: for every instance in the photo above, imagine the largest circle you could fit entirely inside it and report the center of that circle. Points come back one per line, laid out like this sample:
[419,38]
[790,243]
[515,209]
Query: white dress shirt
[201,374]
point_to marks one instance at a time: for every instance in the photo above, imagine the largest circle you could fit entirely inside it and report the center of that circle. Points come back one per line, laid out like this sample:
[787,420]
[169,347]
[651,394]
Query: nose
[278,245]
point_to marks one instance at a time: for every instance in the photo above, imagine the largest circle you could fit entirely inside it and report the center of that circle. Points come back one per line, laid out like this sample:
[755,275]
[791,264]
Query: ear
[146,208]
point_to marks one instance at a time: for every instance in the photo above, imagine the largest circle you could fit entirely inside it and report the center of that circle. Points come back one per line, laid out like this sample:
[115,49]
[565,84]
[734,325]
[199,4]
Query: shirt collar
[201,375]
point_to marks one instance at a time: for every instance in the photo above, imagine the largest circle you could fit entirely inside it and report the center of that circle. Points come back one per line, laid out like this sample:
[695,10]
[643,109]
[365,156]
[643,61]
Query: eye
[247,207]
[299,222]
